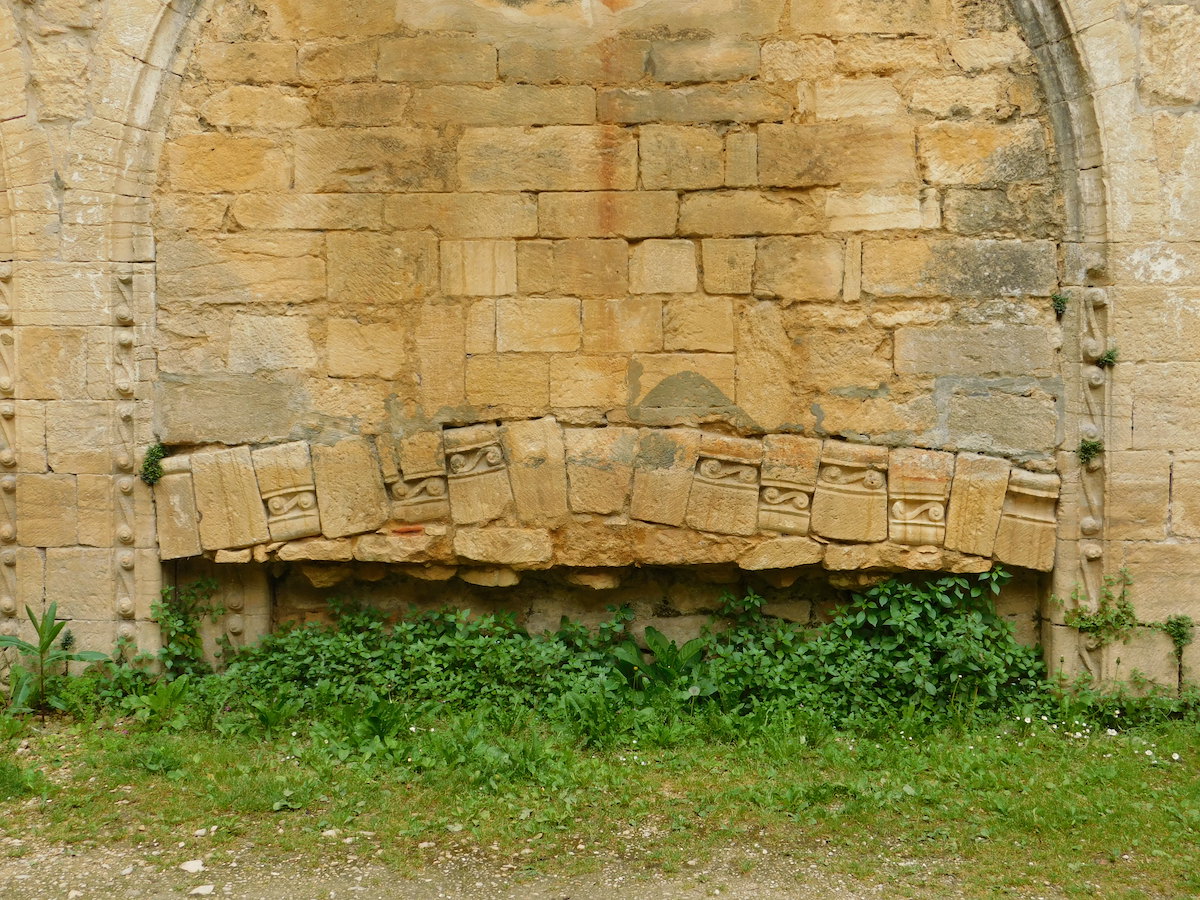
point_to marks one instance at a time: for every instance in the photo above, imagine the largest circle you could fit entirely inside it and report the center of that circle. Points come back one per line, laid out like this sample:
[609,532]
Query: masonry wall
[322,253]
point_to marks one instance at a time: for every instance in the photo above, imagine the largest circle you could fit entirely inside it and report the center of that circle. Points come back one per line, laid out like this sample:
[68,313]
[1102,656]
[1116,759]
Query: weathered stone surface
[478,475]
[663,267]
[850,500]
[662,477]
[681,157]
[728,265]
[724,493]
[381,159]
[350,489]
[1147,651]
[750,212]
[490,576]
[889,557]
[479,268]
[285,480]
[789,477]
[627,214]
[836,153]
[538,324]
[918,488]
[599,468]
[509,104]
[980,154]
[624,325]
[699,323]
[980,484]
[583,543]
[587,381]
[175,511]
[655,545]
[227,500]
[536,470]
[955,268]
[1170,34]
[516,547]
[704,103]
[317,550]
[554,158]
[838,17]
[722,59]
[393,548]
[799,268]
[370,270]
[465,215]
[783,553]
[578,267]
[222,162]
[951,350]
[1026,534]
[46,509]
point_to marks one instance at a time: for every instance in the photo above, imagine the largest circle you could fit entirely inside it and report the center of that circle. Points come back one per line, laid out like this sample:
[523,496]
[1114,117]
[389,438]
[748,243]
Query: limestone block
[890,557]
[311,19]
[393,548]
[624,325]
[663,267]
[508,104]
[840,153]
[728,265]
[782,553]
[614,61]
[1170,35]
[479,487]
[554,158]
[318,212]
[53,362]
[682,381]
[350,491]
[750,212]
[850,500]
[1026,535]
[82,582]
[866,53]
[663,472]
[996,50]
[724,493]
[980,484]
[269,343]
[509,382]
[654,545]
[588,381]
[244,268]
[699,323]
[95,514]
[479,268]
[918,490]
[799,268]
[741,159]
[847,17]
[789,477]
[680,157]
[79,436]
[356,160]
[437,58]
[517,547]
[422,496]
[465,215]
[536,470]
[874,210]
[577,267]
[628,214]
[983,154]
[229,557]
[703,103]
[30,418]
[374,270]
[1147,651]
[596,579]
[46,509]
[209,163]
[227,500]
[796,60]
[599,468]
[490,576]
[542,324]
[374,350]
[1185,497]
[848,98]
[954,268]
[943,96]
[261,108]
[440,347]
[254,408]
[285,480]
[175,510]
[1138,496]
[341,62]
[315,549]
[719,59]
[481,326]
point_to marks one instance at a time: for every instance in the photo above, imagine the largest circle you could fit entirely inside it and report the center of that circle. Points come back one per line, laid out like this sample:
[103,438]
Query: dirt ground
[55,873]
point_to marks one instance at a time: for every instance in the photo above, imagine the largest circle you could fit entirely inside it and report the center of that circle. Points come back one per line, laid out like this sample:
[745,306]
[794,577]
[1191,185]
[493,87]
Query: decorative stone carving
[227,500]
[850,500]
[289,492]
[918,488]
[662,475]
[1027,524]
[478,477]
[980,483]
[724,495]
[422,495]
[537,469]
[789,477]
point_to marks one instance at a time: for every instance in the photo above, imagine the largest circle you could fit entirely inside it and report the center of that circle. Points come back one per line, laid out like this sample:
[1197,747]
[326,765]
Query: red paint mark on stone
[408,529]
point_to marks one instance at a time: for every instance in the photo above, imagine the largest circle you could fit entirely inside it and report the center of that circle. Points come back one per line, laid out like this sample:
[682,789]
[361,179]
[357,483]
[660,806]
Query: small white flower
[1175,756]
[1028,721]
[1111,732]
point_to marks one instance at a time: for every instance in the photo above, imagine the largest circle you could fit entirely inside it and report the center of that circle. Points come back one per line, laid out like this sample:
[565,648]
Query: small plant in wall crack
[1089,450]
[1114,617]
[1108,358]
[152,469]
[1181,630]
[1060,302]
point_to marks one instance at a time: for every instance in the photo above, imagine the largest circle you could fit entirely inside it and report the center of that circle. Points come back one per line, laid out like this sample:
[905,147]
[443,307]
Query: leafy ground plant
[43,662]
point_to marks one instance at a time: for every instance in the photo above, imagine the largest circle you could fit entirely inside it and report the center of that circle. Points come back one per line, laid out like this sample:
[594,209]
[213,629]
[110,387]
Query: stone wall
[326,253]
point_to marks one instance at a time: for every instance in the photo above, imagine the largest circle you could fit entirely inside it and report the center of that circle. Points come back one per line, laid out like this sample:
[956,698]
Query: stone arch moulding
[720,468]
